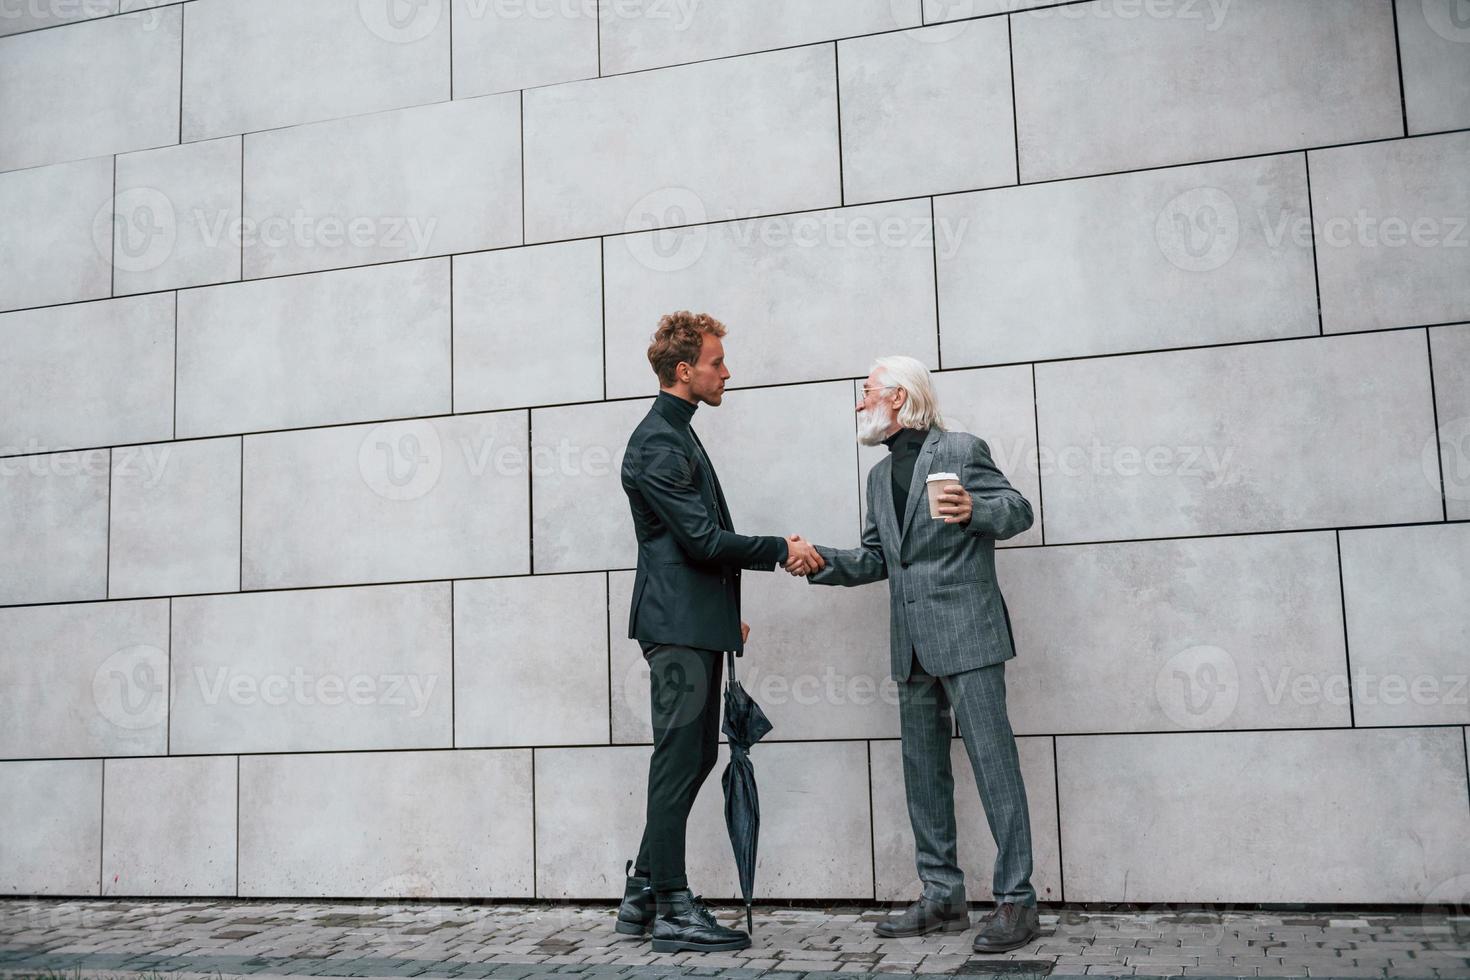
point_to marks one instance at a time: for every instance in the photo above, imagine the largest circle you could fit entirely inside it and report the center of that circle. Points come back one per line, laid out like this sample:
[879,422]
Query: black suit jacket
[687,591]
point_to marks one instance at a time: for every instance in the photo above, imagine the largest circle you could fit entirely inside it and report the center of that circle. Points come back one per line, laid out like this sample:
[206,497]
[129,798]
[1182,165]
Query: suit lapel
[916,484]
[709,467]
[883,499]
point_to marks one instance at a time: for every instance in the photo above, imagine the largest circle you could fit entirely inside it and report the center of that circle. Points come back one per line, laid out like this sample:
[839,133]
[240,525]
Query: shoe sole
[948,925]
[631,928]
[681,946]
[1007,948]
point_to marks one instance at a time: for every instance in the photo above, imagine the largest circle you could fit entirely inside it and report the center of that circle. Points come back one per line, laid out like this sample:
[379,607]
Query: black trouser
[685,693]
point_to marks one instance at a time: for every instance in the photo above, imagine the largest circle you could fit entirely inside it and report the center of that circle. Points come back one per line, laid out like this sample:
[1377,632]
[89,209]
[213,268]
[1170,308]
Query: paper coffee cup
[935,486]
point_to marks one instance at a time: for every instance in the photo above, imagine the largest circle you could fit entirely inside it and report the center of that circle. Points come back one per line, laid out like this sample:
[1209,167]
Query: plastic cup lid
[942,476]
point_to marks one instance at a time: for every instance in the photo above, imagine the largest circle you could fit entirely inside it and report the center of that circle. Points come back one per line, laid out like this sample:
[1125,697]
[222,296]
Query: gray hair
[920,409]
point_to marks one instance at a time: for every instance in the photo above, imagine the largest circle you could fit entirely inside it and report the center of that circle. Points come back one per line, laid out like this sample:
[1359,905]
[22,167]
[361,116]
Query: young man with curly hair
[686,613]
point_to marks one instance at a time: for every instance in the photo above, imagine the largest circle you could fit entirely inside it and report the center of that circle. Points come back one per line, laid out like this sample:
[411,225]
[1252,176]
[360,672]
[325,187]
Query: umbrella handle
[729,668]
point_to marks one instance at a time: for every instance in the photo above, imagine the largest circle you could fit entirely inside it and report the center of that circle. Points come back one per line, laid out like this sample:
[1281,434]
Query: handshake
[802,557]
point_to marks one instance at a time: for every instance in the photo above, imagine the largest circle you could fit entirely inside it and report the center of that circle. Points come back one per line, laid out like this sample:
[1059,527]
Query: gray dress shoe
[923,917]
[1010,926]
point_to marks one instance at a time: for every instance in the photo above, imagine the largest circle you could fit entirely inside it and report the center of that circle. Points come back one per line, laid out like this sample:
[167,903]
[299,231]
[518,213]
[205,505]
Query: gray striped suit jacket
[942,593]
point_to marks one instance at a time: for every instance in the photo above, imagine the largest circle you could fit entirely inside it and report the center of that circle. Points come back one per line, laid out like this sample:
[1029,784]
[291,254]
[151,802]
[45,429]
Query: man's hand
[955,504]
[801,557]
[744,631]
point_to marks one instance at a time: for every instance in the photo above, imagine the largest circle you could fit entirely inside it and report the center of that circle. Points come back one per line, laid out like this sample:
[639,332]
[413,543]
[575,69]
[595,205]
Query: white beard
[873,426]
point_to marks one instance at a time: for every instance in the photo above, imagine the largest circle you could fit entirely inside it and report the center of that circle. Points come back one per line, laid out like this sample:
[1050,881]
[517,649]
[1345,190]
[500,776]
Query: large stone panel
[1393,232]
[312,670]
[1297,434]
[707,142]
[1259,816]
[398,501]
[806,297]
[1181,257]
[387,824]
[298,351]
[1199,81]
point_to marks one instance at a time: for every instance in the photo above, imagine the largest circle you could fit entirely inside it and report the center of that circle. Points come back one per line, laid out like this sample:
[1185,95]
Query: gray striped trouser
[978,699]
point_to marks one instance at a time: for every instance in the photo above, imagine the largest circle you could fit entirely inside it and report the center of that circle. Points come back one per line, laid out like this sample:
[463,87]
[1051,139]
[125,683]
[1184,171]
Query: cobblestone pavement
[191,939]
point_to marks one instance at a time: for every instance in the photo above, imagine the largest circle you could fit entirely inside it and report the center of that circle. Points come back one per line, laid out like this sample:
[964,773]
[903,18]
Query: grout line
[101,828]
[168,685]
[1398,53]
[872,826]
[1347,655]
[237,825]
[808,44]
[1056,777]
[530,492]
[1077,358]
[934,255]
[242,208]
[107,545]
[987,188]
[240,571]
[857,456]
[1438,445]
[183,13]
[522,127]
[453,653]
[841,175]
[112,261]
[602,288]
[535,866]
[1312,224]
[1040,487]
[450,5]
[598,22]
[607,581]
[1015,116]
[1117,733]
[1465,744]
[175,435]
[452,263]
[587,571]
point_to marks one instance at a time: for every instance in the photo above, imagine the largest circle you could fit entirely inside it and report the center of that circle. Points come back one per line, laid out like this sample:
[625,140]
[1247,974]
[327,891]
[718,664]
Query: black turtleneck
[684,409]
[904,445]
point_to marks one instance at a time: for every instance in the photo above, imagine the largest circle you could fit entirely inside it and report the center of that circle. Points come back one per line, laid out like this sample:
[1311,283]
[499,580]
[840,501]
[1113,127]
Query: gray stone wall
[323,326]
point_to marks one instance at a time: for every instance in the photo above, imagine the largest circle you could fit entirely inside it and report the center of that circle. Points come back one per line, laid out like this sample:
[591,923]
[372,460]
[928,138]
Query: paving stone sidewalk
[197,939]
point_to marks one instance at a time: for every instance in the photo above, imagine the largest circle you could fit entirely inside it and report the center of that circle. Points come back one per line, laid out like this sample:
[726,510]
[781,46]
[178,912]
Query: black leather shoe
[684,924]
[924,917]
[1011,926]
[636,913]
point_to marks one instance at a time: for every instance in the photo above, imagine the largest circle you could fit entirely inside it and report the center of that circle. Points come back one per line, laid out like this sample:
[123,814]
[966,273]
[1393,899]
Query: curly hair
[679,337]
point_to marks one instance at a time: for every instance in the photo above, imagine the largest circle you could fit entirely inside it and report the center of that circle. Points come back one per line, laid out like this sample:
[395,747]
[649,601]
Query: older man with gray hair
[950,635]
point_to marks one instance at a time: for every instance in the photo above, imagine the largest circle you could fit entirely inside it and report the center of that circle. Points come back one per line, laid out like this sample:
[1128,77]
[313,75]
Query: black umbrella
[745,724]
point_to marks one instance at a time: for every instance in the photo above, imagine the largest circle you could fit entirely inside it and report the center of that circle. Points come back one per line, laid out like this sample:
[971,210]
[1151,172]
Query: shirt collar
[675,409]
[906,439]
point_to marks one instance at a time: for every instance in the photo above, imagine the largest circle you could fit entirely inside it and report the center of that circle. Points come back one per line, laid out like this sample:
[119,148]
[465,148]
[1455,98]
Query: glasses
[867,390]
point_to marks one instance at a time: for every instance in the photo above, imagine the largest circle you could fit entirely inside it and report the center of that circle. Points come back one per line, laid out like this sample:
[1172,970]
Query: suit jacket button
[903,564]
